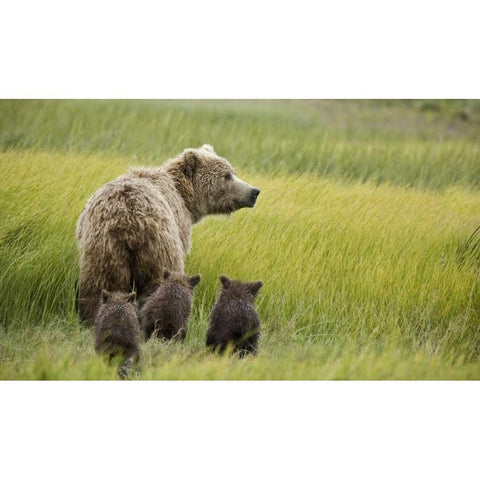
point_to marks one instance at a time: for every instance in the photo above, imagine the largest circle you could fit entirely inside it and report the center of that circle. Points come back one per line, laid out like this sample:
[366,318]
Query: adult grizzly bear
[137,226]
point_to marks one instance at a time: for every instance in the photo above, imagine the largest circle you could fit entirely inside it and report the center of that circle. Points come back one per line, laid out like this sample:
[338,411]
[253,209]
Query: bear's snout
[254,192]
[246,195]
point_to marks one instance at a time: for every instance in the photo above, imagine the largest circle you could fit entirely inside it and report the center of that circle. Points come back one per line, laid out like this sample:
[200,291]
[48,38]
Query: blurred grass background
[364,233]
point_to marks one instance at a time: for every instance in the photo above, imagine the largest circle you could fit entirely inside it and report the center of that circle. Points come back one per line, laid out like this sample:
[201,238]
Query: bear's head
[208,183]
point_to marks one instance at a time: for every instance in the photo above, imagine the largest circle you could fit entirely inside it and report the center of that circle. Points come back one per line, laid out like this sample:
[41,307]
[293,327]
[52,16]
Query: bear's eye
[228,176]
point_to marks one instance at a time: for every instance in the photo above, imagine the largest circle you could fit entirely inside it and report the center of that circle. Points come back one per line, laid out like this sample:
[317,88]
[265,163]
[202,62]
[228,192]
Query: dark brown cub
[117,331]
[234,321]
[165,313]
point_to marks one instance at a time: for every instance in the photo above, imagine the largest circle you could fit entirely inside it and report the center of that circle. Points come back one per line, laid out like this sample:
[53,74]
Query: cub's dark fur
[165,313]
[117,331]
[234,321]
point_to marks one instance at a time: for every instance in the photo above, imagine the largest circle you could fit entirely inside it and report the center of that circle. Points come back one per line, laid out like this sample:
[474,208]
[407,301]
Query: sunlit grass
[361,280]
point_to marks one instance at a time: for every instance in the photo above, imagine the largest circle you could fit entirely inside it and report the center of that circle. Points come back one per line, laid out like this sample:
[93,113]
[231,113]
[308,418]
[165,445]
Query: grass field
[363,234]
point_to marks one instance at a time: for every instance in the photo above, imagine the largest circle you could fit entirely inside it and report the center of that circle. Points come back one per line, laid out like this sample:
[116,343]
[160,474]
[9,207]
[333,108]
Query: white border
[370,430]
[248,49]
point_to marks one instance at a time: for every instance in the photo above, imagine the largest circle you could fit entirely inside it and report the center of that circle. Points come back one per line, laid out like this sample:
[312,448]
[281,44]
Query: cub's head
[181,279]
[174,277]
[118,298]
[208,183]
[247,291]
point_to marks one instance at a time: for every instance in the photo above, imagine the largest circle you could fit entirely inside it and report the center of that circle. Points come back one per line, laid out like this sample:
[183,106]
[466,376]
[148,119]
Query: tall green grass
[363,278]
[352,140]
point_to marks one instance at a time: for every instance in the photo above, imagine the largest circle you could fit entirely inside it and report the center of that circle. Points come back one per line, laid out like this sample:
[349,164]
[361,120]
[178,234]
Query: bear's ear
[131,297]
[190,163]
[255,287]
[208,148]
[166,274]
[194,280]
[225,281]
[105,295]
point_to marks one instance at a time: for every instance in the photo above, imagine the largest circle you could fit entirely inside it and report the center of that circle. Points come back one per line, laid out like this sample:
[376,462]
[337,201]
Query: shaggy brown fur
[165,313]
[117,331]
[234,321]
[139,224]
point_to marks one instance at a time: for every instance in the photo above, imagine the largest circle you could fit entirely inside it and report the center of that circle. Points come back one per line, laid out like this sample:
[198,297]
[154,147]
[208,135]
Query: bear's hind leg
[105,267]
[131,363]
[151,259]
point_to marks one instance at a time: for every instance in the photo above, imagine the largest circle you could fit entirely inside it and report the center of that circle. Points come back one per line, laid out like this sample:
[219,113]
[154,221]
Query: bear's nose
[255,192]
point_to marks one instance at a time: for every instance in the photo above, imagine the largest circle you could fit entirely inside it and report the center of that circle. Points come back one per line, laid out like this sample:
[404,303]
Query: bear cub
[234,322]
[166,311]
[117,331]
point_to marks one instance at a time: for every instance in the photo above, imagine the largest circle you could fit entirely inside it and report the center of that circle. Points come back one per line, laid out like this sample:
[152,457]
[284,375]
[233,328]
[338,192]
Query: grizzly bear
[234,323]
[136,226]
[166,311]
[117,331]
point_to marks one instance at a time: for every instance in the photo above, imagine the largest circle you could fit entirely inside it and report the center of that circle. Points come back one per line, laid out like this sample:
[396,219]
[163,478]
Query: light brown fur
[138,225]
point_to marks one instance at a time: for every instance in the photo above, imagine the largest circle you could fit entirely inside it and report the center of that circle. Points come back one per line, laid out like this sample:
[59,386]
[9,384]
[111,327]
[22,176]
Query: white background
[248,49]
[238,430]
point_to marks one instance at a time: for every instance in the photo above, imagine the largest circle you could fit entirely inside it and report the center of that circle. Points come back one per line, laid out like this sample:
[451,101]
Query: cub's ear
[131,297]
[166,274]
[225,281]
[255,287]
[194,280]
[191,161]
[105,296]
[208,148]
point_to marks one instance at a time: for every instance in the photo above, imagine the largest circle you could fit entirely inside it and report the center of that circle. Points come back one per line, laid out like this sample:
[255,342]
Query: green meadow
[365,234]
